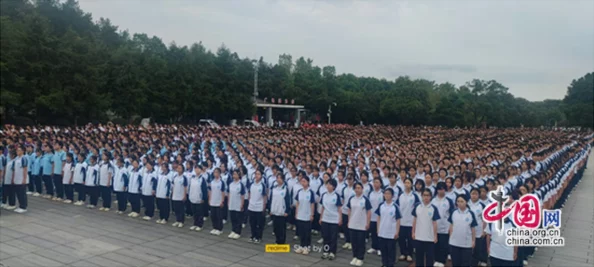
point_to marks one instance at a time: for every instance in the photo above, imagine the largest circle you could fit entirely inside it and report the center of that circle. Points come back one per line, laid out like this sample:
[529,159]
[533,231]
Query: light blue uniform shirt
[46,164]
[58,160]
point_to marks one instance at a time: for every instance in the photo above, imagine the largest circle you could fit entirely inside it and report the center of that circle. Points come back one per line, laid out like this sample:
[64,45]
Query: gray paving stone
[37,260]
[16,262]
[57,256]
[101,261]
[213,260]
[83,264]
[38,242]
[138,255]
[74,252]
[151,251]
[128,261]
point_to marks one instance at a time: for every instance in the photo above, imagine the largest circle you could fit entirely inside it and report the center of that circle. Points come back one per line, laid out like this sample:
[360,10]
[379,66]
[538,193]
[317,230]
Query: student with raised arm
[304,215]
[359,221]
[388,227]
[462,232]
[424,230]
[179,191]
[330,219]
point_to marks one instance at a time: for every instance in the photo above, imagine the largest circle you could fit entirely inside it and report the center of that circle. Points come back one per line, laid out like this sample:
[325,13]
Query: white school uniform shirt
[397,189]
[135,184]
[197,189]
[331,203]
[296,187]
[120,179]
[375,198]
[477,208]
[280,201]
[321,190]
[17,166]
[163,185]
[92,177]
[367,188]
[347,193]
[105,168]
[462,224]
[359,207]
[257,195]
[445,206]
[235,192]
[426,215]
[304,198]
[217,188]
[314,184]
[179,183]
[389,214]
[149,183]
[80,172]
[498,248]
[406,202]
[67,174]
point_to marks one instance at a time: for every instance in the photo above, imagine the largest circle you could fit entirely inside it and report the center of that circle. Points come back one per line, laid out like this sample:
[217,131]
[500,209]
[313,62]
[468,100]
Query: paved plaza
[54,234]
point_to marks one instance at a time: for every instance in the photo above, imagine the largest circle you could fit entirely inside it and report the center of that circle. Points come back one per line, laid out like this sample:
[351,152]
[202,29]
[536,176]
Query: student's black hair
[475,189]
[332,182]
[421,182]
[463,196]
[69,155]
[389,190]
[357,184]
[441,186]
[426,190]
[410,180]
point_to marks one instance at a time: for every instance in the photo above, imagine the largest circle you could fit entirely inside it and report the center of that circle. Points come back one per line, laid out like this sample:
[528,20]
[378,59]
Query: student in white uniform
[330,219]
[20,178]
[148,186]
[257,207]
[106,172]
[406,201]
[216,201]
[280,204]
[67,178]
[424,230]
[445,206]
[376,197]
[135,188]
[91,182]
[80,174]
[462,233]
[347,192]
[163,193]
[198,196]
[304,215]
[120,185]
[479,253]
[359,221]
[388,220]
[500,254]
[236,192]
[179,184]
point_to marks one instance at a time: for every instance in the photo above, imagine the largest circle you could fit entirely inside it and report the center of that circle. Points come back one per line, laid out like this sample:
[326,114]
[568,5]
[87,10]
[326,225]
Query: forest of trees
[60,66]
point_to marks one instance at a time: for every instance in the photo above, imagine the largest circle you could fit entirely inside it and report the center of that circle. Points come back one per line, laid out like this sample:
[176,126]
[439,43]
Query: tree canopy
[59,66]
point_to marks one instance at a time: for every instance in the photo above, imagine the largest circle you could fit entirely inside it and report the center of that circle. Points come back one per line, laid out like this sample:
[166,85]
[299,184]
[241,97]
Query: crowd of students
[421,188]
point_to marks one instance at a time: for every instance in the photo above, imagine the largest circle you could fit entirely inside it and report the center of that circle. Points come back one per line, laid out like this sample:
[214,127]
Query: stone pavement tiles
[55,234]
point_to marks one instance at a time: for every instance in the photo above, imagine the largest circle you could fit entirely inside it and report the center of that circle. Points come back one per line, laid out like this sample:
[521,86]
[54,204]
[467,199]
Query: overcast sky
[534,47]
